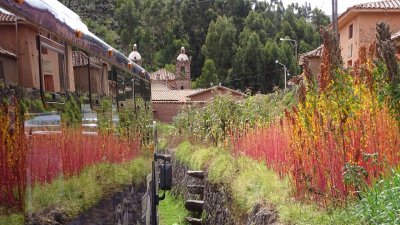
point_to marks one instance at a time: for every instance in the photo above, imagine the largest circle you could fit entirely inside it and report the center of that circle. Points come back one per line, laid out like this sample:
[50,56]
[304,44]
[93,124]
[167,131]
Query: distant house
[98,74]
[18,37]
[170,92]
[357,27]
[314,59]
[168,103]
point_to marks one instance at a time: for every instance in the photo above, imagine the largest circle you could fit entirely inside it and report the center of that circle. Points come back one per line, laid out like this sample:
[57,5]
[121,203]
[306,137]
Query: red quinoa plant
[338,138]
[27,160]
[12,151]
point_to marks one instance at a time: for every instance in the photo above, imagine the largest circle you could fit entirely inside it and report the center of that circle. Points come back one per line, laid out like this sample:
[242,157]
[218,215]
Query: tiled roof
[386,4]
[8,18]
[7,53]
[314,53]
[162,75]
[172,95]
[80,59]
[216,88]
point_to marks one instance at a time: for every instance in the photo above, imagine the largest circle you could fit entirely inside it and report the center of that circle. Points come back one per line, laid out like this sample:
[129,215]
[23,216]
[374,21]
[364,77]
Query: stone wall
[217,202]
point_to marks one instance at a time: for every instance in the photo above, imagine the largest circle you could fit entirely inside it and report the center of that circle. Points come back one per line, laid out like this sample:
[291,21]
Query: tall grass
[337,140]
[172,211]
[381,203]
[250,182]
[50,156]
[225,116]
[81,191]
[27,161]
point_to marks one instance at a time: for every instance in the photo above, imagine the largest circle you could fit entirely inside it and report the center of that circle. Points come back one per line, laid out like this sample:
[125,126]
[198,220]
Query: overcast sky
[326,5]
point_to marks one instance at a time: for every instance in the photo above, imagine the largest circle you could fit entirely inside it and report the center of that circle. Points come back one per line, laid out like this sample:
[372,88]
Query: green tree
[250,69]
[208,76]
[220,45]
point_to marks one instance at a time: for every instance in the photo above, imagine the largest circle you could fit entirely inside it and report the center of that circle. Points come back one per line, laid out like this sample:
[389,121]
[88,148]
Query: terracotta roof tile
[216,88]
[80,59]
[172,95]
[7,53]
[386,4]
[162,75]
[9,18]
[314,53]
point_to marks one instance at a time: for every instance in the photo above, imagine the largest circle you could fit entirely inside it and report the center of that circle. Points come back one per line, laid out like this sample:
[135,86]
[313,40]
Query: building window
[349,63]
[351,31]
[181,87]
[350,51]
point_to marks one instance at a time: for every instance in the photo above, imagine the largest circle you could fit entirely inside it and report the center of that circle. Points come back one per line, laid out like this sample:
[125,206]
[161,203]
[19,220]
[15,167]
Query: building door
[48,83]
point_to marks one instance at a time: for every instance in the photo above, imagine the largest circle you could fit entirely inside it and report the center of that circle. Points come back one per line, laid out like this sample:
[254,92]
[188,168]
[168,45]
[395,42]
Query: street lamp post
[295,44]
[284,70]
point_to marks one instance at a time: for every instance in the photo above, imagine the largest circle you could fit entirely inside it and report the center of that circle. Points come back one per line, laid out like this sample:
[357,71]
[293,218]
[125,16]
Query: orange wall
[364,31]
[28,64]
[315,64]
[7,40]
[9,69]
[165,112]
[27,54]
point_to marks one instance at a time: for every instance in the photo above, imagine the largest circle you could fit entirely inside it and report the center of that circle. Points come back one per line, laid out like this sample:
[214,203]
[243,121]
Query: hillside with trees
[233,42]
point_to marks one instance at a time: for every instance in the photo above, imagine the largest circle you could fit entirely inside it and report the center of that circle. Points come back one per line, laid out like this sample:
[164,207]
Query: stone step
[194,221]
[195,189]
[196,174]
[194,205]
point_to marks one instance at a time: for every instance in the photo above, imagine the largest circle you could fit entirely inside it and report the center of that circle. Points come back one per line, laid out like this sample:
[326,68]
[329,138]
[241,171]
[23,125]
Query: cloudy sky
[326,5]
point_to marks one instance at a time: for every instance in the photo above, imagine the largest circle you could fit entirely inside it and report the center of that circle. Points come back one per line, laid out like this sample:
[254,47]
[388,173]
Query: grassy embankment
[250,182]
[78,193]
[172,211]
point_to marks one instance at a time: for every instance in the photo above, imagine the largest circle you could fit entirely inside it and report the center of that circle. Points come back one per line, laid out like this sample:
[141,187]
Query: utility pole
[295,44]
[334,17]
[284,71]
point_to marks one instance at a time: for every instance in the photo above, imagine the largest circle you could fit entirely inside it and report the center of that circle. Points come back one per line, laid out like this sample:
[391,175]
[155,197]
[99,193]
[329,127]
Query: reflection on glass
[89,120]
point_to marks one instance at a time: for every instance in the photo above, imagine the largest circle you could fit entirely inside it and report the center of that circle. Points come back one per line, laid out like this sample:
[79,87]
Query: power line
[243,78]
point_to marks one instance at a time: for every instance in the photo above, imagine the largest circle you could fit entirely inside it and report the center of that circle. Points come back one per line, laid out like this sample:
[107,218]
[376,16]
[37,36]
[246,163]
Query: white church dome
[135,55]
[182,56]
